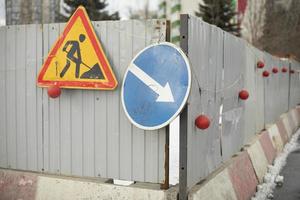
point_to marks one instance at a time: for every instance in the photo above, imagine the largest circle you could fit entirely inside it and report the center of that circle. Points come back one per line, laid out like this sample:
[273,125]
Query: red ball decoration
[54,91]
[202,122]
[275,70]
[244,94]
[292,71]
[284,70]
[260,64]
[265,73]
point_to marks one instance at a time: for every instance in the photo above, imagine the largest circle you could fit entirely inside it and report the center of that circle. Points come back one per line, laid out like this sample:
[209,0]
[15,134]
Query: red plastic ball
[260,64]
[275,70]
[202,122]
[292,71]
[284,70]
[265,73]
[54,91]
[244,94]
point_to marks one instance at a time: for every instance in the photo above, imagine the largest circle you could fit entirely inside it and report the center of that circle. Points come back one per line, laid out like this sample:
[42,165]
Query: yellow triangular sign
[77,59]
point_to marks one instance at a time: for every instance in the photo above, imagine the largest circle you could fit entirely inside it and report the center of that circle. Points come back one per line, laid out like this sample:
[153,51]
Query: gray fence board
[113,103]
[11,112]
[294,82]
[233,107]
[205,45]
[222,65]
[3,132]
[81,133]
[268,91]
[126,30]
[259,89]
[33,98]
[251,105]
[101,117]
[21,118]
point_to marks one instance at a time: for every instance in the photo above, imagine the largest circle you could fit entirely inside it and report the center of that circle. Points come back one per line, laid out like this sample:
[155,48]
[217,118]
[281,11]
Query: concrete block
[243,177]
[291,122]
[282,131]
[295,118]
[287,125]
[258,159]
[216,188]
[50,188]
[275,138]
[17,185]
[267,146]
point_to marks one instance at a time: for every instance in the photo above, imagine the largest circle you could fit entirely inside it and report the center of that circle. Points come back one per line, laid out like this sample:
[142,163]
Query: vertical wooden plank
[31,96]
[89,131]
[113,129]
[101,110]
[126,41]
[233,110]
[39,97]
[21,101]
[205,52]
[11,97]
[3,114]
[54,116]
[259,87]
[45,103]
[151,137]
[251,104]
[161,156]
[65,127]
[138,135]
[76,131]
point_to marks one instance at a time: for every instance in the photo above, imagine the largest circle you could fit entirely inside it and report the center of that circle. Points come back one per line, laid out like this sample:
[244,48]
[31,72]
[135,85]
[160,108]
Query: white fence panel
[205,44]
[83,132]
[233,108]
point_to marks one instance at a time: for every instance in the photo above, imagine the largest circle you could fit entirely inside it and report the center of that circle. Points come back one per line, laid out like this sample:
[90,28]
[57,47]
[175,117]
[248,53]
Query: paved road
[291,172]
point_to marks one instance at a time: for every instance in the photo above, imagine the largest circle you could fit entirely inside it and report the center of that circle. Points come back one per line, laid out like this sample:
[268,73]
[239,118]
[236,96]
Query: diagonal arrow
[164,93]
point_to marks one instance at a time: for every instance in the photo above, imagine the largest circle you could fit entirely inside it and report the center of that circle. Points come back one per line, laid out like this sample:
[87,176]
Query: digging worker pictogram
[74,55]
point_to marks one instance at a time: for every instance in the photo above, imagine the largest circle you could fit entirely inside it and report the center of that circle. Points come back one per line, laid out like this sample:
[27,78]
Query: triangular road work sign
[77,59]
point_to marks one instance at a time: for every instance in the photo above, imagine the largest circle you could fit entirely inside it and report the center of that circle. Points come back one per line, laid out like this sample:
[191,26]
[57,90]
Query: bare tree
[254,21]
[144,13]
[281,30]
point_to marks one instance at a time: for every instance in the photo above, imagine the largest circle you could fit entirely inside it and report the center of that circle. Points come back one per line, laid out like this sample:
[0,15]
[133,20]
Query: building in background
[31,11]
[273,26]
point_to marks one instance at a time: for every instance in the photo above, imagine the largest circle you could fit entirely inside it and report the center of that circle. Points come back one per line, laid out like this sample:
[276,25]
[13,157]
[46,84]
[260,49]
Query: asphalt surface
[291,173]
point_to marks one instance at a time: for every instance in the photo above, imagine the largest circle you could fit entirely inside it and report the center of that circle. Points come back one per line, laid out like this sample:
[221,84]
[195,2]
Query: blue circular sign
[156,86]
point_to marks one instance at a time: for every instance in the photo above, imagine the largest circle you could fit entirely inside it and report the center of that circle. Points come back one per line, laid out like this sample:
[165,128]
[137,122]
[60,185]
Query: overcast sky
[123,6]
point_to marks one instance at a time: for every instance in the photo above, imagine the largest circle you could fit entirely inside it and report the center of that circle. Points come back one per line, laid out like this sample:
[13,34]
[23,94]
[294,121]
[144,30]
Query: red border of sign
[111,82]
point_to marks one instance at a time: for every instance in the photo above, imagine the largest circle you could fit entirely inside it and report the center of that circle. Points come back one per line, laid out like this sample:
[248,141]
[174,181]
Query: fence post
[183,119]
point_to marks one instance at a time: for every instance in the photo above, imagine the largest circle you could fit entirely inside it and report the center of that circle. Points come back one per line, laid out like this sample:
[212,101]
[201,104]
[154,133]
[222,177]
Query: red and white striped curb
[239,178]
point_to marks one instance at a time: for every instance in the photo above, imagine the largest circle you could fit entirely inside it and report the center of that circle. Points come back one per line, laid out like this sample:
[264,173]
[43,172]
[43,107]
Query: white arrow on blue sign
[156,86]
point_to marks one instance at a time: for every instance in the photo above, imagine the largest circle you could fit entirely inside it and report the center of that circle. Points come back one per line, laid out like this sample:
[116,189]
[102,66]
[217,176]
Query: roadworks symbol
[77,59]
